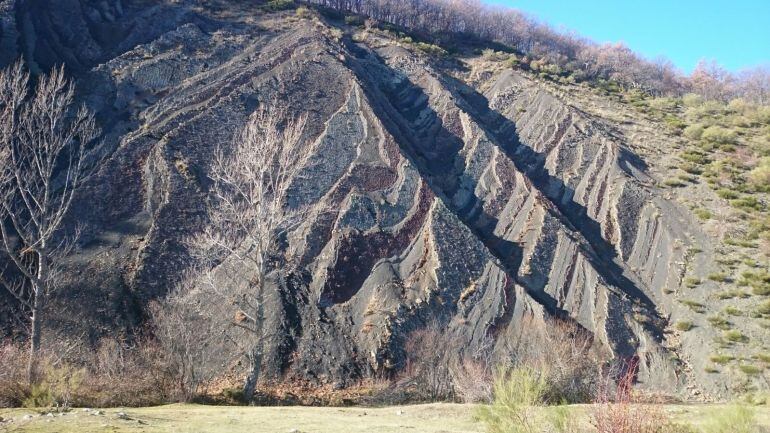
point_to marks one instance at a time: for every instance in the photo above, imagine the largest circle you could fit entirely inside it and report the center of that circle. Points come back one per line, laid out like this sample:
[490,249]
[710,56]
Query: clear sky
[736,33]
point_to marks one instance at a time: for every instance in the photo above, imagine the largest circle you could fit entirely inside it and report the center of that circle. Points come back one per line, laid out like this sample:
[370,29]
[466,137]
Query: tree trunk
[257,353]
[251,380]
[34,338]
[39,293]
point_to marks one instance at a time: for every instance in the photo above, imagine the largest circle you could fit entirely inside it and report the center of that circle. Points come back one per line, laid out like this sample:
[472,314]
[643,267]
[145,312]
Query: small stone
[399,412]
[27,417]
[123,415]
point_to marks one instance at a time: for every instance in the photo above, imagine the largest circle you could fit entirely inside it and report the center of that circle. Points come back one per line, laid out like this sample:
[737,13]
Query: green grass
[734,336]
[702,214]
[721,359]
[764,308]
[719,322]
[673,183]
[749,369]
[731,419]
[428,418]
[718,277]
[691,282]
[684,325]
[732,293]
[693,305]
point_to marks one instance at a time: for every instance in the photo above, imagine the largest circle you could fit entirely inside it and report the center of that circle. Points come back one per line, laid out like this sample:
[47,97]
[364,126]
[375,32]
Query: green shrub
[235,395]
[278,5]
[39,396]
[693,305]
[749,369]
[733,311]
[758,281]
[732,293]
[703,214]
[675,123]
[694,132]
[431,49]
[760,175]
[683,325]
[562,419]
[691,282]
[719,322]
[718,277]
[673,183]
[727,194]
[666,104]
[735,336]
[721,359]
[303,12]
[764,308]
[517,393]
[691,168]
[719,135]
[695,157]
[692,100]
[762,115]
[354,20]
[747,204]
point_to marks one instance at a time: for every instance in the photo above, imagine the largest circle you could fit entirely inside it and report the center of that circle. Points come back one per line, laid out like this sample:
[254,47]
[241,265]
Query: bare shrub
[181,331]
[618,409]
[563,350]
[128,373]
[13,379]
[473,375]
[426,372]
[472,380]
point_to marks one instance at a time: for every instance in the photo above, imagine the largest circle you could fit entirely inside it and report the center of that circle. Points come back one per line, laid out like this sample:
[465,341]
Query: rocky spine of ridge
[488,208]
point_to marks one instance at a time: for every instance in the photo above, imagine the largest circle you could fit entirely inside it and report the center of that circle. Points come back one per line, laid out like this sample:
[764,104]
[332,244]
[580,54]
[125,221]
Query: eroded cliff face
[489,207]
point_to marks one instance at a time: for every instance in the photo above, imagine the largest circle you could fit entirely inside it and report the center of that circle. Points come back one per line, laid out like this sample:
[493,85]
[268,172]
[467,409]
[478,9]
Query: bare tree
[249,215]
[44,142]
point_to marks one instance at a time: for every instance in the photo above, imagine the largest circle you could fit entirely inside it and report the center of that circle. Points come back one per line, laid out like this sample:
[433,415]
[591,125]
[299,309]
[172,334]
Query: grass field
[428,418]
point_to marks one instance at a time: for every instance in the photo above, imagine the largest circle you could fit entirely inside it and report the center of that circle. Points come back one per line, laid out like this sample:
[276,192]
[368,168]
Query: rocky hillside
[459,190]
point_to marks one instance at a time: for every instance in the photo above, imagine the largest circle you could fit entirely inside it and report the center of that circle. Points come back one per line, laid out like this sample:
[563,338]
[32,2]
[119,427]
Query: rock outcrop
[487,208]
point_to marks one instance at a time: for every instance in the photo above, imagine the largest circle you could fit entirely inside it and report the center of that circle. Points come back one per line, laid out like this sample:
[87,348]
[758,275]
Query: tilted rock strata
[487,209]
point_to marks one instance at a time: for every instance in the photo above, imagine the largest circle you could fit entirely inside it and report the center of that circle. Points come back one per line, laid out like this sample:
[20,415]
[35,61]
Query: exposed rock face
[480,207]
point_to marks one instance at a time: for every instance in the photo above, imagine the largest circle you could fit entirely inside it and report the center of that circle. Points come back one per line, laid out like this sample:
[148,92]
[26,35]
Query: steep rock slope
[488,208]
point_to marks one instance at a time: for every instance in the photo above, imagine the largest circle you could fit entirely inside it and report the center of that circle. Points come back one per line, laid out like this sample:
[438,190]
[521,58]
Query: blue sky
[736,32]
